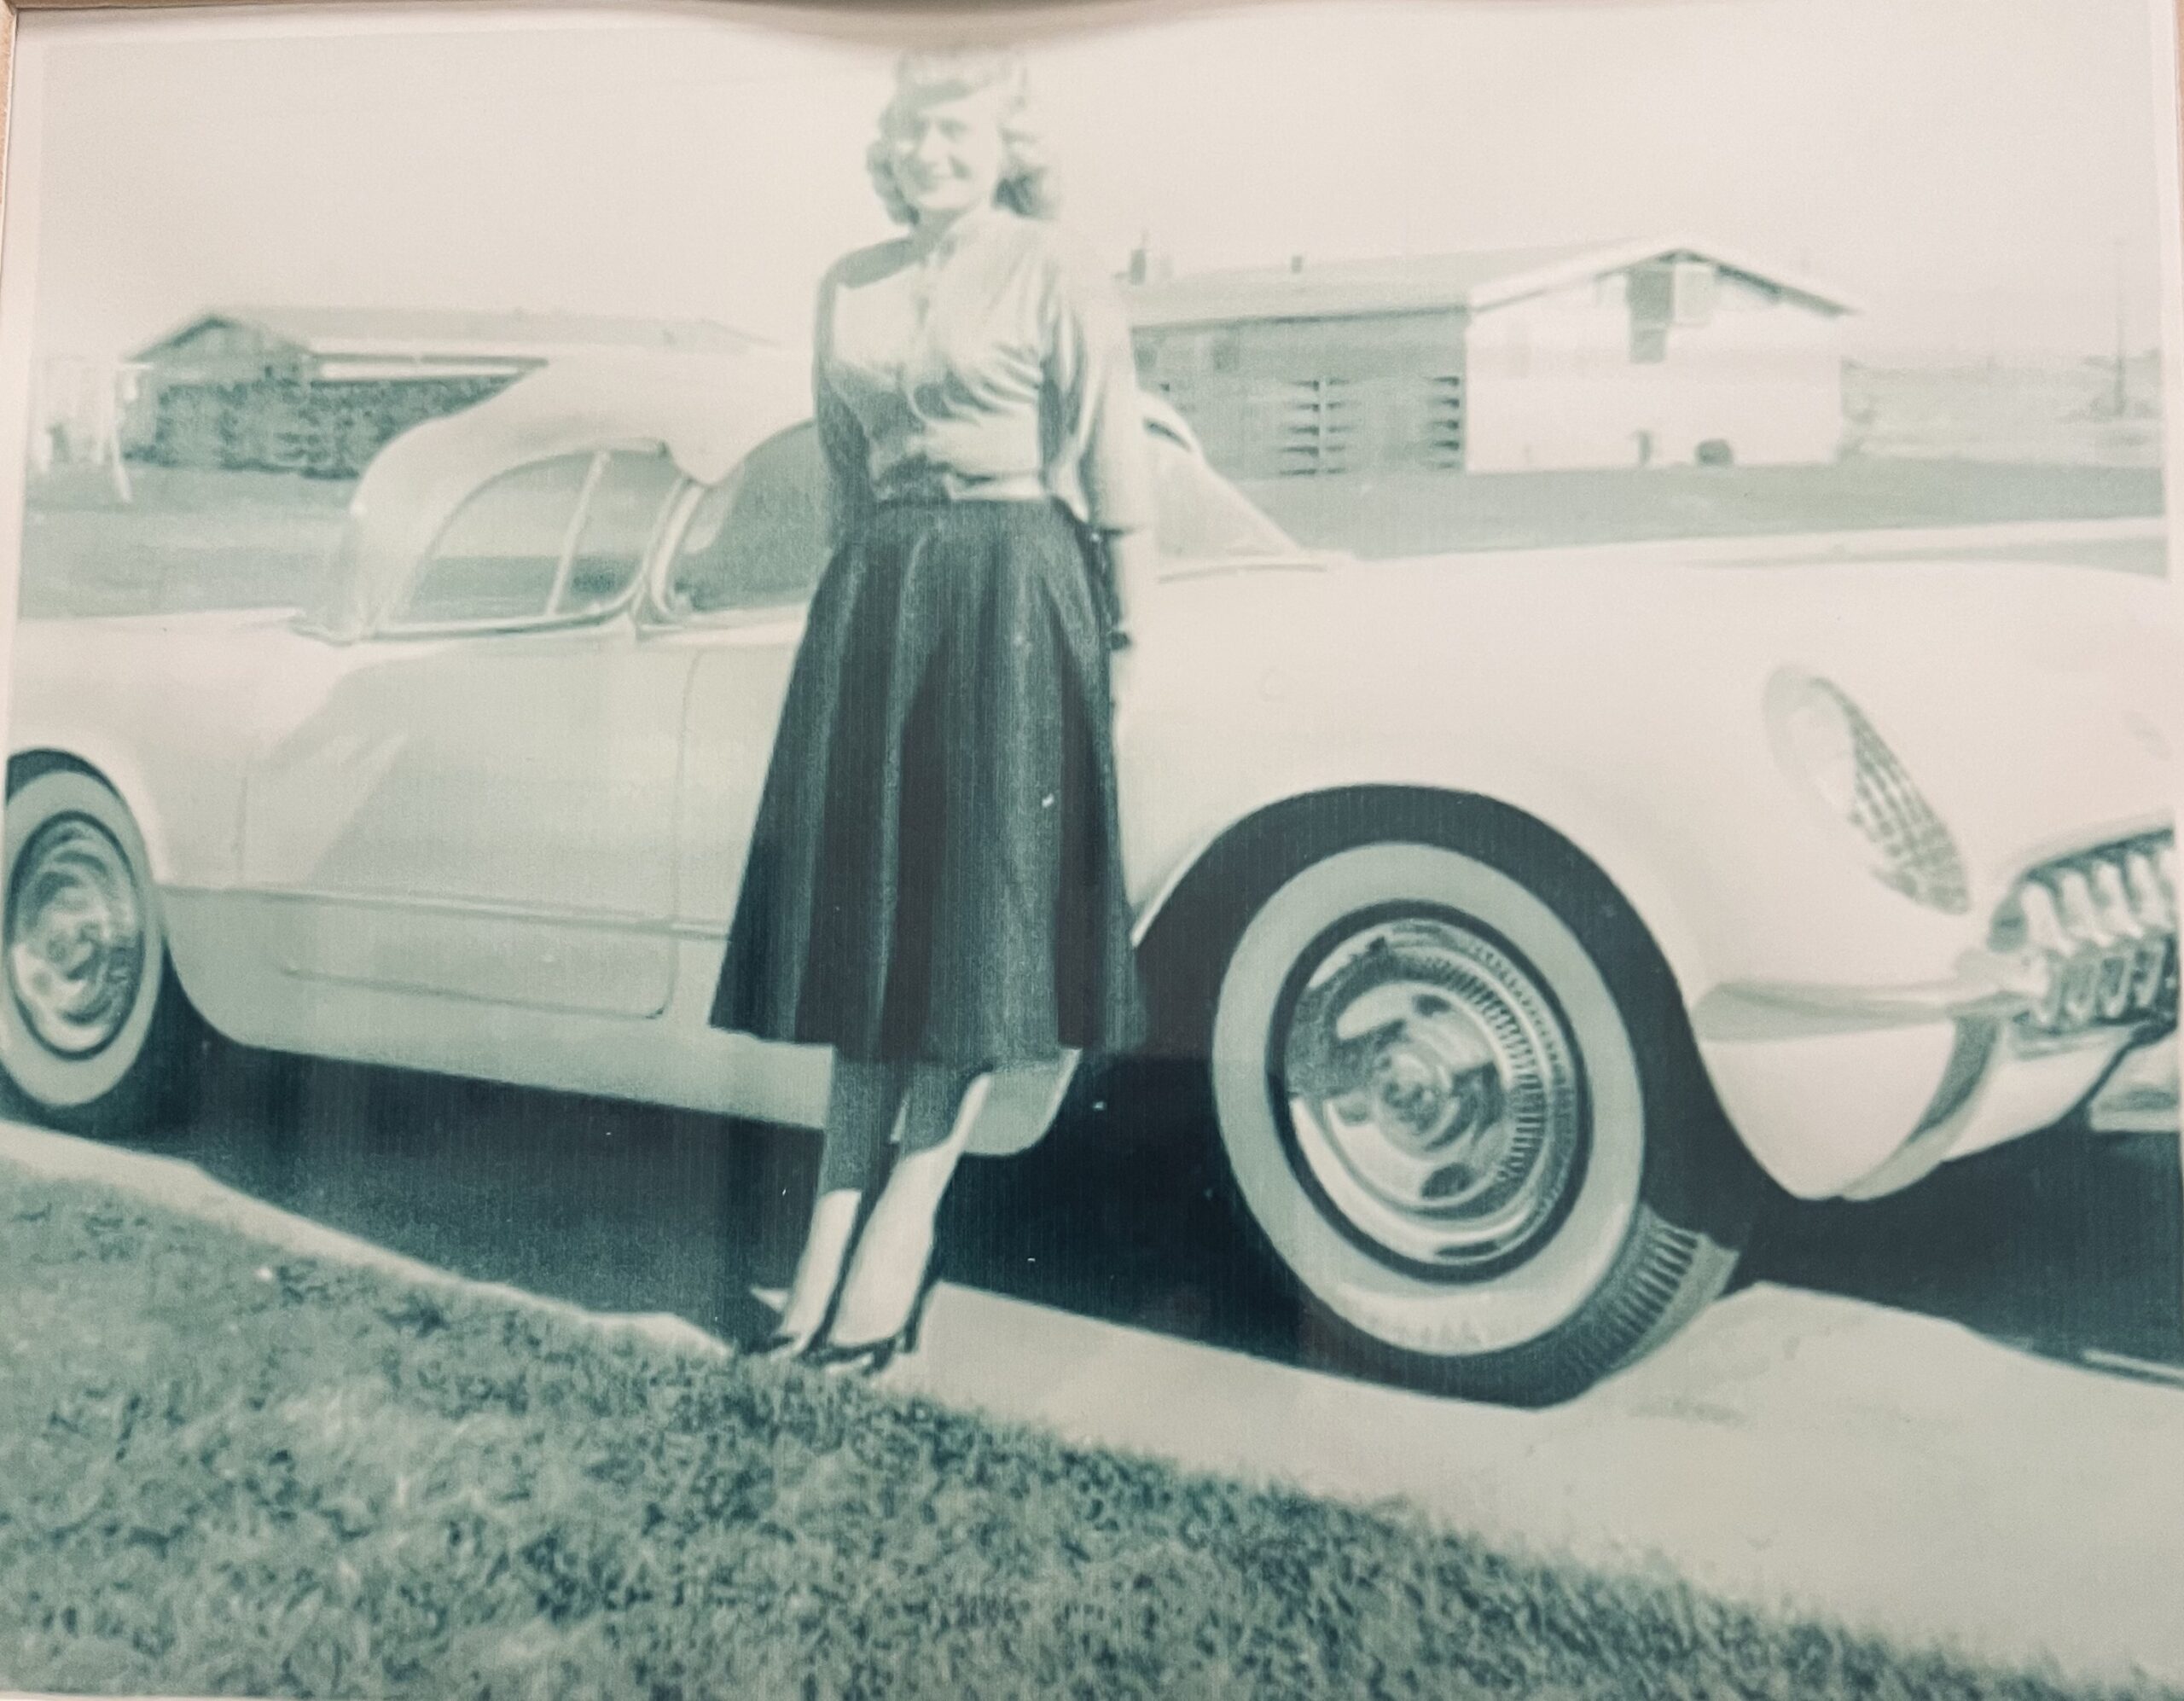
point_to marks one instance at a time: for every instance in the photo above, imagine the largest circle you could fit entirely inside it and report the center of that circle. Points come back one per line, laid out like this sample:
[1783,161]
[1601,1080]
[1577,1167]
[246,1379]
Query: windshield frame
[654,612]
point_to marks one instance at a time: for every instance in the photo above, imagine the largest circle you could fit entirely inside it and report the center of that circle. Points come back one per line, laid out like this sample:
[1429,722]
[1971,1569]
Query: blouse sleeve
[847,491]
[1094,371]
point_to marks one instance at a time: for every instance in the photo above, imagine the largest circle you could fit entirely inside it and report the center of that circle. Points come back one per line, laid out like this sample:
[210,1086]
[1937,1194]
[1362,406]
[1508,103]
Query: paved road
[1957,1414]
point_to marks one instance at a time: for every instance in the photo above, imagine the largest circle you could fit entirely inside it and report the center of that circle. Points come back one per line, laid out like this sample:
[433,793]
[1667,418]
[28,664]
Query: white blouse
[994,362]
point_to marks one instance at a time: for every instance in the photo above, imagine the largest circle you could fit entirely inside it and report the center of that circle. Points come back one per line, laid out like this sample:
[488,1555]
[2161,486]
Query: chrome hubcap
[75,938]
[1435,1096]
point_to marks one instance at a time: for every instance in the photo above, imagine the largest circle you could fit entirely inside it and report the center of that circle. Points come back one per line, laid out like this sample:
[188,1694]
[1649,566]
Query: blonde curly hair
[1027,185]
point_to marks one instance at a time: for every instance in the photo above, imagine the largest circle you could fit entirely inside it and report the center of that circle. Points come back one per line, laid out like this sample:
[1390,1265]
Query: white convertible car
[1527,918]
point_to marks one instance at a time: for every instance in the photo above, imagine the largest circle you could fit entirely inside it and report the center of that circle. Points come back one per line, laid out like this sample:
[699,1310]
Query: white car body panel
[388,813]
[513,855]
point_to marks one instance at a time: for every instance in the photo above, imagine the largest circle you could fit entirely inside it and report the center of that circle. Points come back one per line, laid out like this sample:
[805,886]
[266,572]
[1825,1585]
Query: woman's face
[949,153]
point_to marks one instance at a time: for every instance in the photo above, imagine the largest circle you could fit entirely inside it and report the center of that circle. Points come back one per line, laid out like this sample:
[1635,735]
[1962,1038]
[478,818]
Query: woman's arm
[1094,370]
[848,488]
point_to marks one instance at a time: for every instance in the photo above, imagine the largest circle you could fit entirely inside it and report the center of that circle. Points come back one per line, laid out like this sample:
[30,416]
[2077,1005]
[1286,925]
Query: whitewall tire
[94,1031]
[1469,1146]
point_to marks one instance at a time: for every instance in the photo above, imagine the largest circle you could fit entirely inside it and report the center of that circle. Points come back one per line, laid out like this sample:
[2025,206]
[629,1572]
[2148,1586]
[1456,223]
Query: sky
[1977,175]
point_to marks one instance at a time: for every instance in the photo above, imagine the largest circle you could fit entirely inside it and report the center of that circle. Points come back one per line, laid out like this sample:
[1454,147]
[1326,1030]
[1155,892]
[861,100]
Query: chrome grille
[2100,927]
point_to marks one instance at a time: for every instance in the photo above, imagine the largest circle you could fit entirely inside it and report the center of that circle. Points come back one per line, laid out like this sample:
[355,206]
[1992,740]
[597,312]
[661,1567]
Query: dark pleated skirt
[935,873]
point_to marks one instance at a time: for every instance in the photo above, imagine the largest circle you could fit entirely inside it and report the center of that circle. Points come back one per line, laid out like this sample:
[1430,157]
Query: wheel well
[31,764]
[1186,947]
[27,765]
[157,1087]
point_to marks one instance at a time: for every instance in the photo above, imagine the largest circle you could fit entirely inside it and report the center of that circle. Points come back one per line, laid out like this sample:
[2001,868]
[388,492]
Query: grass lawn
[185,540]
[1422,513]
[224,1470]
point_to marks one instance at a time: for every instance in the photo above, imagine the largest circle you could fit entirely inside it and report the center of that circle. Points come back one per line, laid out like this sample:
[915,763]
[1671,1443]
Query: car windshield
[756,541]
[1203,519]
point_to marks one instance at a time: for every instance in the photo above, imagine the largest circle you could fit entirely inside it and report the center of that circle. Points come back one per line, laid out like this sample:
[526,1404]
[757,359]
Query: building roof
[433,332]
[1476,281]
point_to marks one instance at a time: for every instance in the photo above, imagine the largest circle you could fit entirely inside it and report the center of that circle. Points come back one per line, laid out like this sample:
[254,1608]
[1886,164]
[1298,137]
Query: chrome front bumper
[2078,969]
[2082,943]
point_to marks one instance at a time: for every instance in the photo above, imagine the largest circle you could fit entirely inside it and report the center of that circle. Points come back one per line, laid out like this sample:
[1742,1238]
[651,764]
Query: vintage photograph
[1290,849]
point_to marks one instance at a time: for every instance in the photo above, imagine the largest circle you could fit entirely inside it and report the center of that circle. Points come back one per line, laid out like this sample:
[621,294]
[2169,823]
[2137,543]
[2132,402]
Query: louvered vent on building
[1318,420]
[1444,420]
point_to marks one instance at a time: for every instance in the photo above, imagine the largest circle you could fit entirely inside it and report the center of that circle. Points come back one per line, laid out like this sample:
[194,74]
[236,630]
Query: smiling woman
[935,887]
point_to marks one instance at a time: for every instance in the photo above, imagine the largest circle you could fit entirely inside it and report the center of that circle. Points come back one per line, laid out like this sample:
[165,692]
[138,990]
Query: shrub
[284,425]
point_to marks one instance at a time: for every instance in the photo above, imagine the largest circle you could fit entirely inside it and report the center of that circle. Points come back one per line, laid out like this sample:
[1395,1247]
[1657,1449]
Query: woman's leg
[940,1106]
[862,1102]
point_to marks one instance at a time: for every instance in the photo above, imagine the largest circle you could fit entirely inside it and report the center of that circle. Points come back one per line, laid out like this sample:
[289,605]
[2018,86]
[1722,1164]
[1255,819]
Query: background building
[1626,355]
[320,390]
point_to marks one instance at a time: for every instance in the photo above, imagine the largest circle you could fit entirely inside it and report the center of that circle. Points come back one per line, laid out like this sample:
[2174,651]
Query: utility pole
[2122,400]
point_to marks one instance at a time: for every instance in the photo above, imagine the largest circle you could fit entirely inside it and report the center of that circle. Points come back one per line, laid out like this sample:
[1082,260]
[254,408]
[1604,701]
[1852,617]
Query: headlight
[1830,747]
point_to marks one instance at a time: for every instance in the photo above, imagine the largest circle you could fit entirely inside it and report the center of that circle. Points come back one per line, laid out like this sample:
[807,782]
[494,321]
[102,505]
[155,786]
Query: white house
[1657,352]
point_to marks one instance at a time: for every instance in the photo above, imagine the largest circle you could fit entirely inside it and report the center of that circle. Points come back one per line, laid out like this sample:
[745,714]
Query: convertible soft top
[709,411]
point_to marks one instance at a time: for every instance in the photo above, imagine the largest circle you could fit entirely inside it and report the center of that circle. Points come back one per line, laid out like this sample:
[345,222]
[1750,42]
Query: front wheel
[1468,1122]
[94,1030]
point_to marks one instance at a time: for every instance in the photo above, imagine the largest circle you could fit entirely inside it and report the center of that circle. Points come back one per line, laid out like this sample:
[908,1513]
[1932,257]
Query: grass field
[186,540]
[2059,413]
[1422,513]
[226,1471]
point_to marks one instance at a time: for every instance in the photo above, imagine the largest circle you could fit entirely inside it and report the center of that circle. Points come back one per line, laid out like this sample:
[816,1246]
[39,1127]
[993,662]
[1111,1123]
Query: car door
[744,559]
[482,804]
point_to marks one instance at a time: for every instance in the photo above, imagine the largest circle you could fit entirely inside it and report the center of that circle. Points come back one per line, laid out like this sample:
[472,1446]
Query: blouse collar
[963,228]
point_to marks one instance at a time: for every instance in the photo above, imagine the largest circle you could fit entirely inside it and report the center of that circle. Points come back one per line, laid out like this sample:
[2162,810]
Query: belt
[940,486]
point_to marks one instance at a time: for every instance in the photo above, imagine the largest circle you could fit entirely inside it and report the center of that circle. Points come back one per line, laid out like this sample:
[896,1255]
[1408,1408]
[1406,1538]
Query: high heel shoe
[781,1346]
[865,1358]
[869,1358]
[914,1327]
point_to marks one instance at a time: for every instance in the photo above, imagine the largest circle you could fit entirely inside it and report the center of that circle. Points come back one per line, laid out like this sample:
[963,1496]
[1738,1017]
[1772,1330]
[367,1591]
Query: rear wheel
[1460,1104]
[95,1033]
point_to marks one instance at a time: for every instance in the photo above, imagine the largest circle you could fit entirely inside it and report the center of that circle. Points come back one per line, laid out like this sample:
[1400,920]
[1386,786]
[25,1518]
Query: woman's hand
[1133,558]
[1131,561]
[1122,669]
